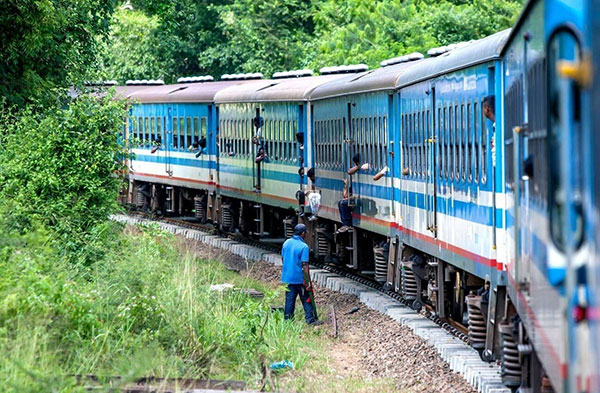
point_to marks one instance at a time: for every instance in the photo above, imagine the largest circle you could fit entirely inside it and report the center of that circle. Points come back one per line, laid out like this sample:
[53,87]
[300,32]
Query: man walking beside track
[296,275]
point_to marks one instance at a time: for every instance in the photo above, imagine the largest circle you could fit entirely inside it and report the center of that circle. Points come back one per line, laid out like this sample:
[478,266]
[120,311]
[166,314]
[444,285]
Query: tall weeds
[144,309]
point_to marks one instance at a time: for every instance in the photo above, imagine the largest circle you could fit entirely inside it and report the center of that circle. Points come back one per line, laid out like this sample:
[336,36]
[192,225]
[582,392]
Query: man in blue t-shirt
[295,265]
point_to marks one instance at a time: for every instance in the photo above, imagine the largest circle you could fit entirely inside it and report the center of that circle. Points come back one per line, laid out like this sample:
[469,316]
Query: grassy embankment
[146,309]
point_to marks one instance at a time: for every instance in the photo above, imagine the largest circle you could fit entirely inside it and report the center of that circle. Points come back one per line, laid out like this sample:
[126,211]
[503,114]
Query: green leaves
[59,168]
[230,36]
[48,43]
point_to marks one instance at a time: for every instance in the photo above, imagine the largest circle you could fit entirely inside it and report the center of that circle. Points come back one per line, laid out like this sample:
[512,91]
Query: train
[464,179]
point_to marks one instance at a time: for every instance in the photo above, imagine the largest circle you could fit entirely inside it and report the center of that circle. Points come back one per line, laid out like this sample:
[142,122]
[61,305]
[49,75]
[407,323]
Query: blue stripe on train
[463,210]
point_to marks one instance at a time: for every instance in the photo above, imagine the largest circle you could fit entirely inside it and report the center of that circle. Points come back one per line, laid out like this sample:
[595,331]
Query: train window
[417,137]
[146,131]
[384,129]
[465,136]
[411,152]
[469,144]
[332,124]
[425,143]
[293,143]
[244,125]
[422,143]
[159,128]
[339,141]
[277,143]
[284,140]
[333,144]
[140,130]
[457,139]
[453,143]
[410,129]
[152,131]
[444,146]
[404,141]
[484,144]
[195,137]
[203,127]
[439,143]
[324,144]
[415,151]
[372,135]
[417,148]
[293,131]
[377,142]
[181,133]
[476,142]
[188,132]
[537,134]
[175,137]
[285,130]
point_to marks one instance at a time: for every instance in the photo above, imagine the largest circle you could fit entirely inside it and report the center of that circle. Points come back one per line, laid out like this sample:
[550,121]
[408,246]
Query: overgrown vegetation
[229,36]
[60,169]
[143,309]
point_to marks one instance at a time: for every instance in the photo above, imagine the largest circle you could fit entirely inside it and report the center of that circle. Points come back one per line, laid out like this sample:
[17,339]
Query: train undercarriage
[468,303]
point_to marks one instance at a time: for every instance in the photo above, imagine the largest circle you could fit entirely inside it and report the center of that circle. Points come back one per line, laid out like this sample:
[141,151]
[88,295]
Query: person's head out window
[489,103]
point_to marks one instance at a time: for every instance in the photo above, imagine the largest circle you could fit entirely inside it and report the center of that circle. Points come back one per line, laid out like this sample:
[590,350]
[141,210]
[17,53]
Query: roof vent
[402,59]
[195,79]
[344,69]
[444,49]
[293,74]
[147,82]
[102,83]
[233,77]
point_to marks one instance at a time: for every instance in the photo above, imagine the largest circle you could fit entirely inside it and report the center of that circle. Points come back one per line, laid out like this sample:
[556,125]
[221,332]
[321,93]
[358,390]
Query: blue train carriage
[175,126]
[262,154]
[354,164]
[550,212]
[591,309]
[448,188]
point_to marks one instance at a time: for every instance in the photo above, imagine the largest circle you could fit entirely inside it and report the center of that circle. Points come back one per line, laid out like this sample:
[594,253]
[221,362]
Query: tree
[262,36]
[355,31]
[132,50]
[46,44]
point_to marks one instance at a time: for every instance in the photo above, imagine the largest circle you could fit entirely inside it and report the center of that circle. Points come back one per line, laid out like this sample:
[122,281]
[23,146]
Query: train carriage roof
[370,81]
[477,52]
[290,90]
[184,92]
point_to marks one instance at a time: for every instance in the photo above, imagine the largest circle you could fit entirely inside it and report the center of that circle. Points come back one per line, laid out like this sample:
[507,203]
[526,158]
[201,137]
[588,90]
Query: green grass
[144,309]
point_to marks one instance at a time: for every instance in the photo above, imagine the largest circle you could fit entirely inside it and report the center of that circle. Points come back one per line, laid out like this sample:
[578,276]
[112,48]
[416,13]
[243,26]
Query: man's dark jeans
[290,302]
[345,213]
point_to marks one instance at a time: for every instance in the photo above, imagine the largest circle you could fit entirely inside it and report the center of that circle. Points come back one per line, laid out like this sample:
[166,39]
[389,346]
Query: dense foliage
[59,169]
[229,36]
[46,44]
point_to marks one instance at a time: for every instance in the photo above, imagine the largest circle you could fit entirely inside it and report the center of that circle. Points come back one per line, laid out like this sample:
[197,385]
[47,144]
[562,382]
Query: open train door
[170,120]
[260,149]
[431,137]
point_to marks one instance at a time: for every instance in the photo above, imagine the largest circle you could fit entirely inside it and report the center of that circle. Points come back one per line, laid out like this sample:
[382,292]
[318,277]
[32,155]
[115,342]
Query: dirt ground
[371,353]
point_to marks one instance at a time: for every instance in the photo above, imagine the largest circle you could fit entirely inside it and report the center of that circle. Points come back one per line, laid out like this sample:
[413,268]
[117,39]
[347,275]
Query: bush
[61,168]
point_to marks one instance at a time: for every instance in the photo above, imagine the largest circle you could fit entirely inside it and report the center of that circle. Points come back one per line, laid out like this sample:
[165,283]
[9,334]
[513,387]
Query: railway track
[455,328]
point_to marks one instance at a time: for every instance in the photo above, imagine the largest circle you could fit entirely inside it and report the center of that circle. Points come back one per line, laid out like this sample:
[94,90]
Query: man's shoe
[343,229]
[316,323]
